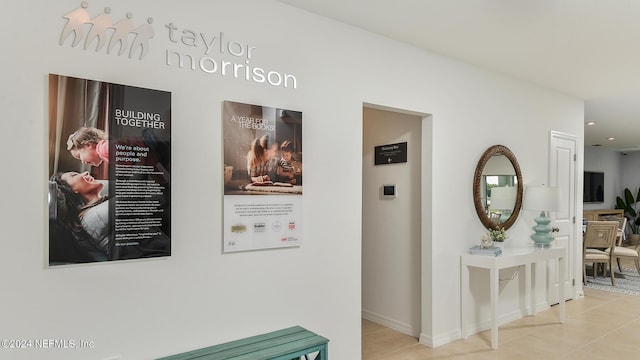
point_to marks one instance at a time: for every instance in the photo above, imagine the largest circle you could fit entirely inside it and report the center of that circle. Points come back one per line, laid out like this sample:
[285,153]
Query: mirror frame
[477,181]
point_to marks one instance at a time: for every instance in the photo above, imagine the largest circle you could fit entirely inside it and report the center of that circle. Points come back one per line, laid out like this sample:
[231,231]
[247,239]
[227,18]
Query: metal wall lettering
[103,31]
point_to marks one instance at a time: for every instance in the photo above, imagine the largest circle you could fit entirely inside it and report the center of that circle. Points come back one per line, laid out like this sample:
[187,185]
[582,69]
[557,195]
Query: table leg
[464,286]
[561,277]
[494,273]
[528,294]
[534,307]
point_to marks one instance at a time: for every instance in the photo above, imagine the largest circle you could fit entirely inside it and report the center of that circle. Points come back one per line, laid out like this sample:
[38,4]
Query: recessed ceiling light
[590,123]
[611,138]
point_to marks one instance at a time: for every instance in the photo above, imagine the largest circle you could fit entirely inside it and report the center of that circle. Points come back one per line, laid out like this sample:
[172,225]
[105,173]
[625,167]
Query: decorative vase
[499,244]
[633,239]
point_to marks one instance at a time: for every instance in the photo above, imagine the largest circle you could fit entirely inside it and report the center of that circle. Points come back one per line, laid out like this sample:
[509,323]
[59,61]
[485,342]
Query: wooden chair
[623,252]
[599,237]
[620,251]
[622,221]
[621,228]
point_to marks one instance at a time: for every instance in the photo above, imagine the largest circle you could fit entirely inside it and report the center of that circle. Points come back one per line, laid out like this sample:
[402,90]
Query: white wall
[621,169]
[199,296]
[610,163]
[630,170]
[391,228]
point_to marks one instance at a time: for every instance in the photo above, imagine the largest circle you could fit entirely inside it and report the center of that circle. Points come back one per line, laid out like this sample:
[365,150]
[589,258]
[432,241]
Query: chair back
[622,221]
[601,234]
[621,229]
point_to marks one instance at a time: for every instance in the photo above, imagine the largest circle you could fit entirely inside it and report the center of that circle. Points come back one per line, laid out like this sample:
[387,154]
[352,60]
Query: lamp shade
[503,198]
[542,198]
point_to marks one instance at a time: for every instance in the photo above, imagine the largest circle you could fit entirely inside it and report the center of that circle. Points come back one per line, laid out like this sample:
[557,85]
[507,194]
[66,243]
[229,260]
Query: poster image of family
[263,150]
[109,174]
[262,176]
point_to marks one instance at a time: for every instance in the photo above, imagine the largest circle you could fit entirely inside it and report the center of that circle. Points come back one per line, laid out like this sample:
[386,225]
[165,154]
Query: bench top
[294,341]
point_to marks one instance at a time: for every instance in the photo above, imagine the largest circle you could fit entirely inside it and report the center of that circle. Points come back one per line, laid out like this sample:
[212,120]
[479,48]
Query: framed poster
[109,171]
[262,177]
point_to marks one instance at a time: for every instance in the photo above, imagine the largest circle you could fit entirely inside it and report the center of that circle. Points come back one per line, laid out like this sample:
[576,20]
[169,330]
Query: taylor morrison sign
[192,50]
[103,31]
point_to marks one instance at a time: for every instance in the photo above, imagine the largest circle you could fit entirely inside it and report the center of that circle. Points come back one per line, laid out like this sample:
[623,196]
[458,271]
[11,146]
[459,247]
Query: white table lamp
[503,199]
[543,199]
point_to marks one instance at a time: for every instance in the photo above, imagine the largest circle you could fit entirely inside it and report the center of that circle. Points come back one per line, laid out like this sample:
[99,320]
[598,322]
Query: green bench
[288,344]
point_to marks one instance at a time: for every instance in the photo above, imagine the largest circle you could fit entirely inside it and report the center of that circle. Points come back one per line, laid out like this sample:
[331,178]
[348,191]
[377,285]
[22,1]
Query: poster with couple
[262,177]
[109,174]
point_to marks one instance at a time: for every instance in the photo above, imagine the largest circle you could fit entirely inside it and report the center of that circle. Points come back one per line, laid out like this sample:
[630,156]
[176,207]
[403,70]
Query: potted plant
[629,205]
[494,237]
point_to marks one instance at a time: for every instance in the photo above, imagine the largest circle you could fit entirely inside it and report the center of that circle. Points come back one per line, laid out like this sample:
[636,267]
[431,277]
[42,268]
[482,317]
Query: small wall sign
[391,154]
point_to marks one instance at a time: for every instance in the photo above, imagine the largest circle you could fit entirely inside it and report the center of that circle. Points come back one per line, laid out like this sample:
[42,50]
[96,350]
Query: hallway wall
[200,296]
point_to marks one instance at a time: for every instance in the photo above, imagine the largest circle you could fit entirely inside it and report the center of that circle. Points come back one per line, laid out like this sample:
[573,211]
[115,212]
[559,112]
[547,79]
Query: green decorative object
[291,343]
[542,236]
[542,198]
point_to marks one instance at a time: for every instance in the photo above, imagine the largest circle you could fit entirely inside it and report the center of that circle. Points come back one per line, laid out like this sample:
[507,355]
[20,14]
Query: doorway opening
[394,227]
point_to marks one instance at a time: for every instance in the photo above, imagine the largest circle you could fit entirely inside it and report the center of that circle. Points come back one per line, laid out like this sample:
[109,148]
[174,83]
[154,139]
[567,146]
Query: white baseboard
[390,323]
[456,334]
[503,319]
[451,336]
[441,339]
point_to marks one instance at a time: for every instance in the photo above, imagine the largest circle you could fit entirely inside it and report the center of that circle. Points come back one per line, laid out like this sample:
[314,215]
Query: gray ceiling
[586,48]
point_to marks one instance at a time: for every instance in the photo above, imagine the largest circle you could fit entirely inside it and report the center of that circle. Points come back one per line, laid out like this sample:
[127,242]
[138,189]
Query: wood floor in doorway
[601,326]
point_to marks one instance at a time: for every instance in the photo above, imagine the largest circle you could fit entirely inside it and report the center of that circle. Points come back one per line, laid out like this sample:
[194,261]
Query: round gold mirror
[497,188]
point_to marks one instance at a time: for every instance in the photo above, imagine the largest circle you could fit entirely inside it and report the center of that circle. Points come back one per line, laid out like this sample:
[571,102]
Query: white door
[562,173]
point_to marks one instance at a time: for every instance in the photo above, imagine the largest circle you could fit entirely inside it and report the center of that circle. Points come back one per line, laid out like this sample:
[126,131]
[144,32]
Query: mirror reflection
[498,188]
[502,199]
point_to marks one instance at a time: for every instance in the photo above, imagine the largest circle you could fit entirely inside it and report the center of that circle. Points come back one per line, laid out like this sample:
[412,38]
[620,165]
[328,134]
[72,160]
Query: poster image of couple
[109,173]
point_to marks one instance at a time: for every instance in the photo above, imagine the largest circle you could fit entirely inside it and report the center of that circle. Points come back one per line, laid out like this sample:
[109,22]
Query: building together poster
[262,177]
[109,171]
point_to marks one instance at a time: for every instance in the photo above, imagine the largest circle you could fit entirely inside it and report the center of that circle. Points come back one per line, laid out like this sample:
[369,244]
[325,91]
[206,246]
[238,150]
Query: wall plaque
[391,154]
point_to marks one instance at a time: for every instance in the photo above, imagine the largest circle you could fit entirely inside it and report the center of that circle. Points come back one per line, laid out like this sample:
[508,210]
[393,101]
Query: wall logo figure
[118,37]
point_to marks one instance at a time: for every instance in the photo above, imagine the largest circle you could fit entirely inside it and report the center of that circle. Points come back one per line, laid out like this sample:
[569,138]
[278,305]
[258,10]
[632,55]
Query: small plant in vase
[494,237]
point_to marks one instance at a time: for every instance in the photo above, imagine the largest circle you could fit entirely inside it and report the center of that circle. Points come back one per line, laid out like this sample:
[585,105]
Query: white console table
[515,257]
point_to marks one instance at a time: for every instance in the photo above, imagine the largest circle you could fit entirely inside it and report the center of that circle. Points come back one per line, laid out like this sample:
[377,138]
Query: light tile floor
[601,326]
